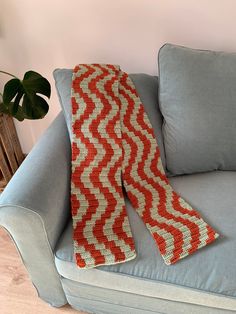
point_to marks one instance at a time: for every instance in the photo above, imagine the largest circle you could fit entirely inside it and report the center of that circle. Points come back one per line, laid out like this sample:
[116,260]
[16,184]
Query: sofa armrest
[35,207]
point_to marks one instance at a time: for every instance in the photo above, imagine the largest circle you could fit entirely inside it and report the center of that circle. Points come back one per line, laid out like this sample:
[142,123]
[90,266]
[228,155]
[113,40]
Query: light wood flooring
[17,294]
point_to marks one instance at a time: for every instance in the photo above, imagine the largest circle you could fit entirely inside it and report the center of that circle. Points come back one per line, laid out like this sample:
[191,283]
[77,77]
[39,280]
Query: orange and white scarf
[113,145]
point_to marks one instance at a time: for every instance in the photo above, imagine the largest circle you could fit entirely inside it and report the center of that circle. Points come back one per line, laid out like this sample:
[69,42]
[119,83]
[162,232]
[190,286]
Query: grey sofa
[35,210]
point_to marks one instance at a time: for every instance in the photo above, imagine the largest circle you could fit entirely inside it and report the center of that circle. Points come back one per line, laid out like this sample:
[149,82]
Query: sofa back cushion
[197,97]
[147,88]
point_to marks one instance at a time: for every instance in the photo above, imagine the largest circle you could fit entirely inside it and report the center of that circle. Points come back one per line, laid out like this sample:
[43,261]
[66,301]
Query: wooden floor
[17,294]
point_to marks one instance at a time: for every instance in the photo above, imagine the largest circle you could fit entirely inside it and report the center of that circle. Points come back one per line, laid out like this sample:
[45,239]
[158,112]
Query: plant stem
[4,72]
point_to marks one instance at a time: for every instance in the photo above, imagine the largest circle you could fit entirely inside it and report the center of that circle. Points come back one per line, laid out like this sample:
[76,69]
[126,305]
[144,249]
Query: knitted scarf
[113,146]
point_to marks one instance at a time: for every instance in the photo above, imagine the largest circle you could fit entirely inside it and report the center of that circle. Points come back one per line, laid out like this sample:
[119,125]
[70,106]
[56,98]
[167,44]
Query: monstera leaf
[20,99]
[8,110]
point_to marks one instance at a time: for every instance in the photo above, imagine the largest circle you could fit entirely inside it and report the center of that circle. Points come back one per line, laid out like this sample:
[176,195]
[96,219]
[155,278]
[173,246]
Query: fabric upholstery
[146,85]
[114,148]
[35,211]
[34,208]
[211,271]
[197,98]
[92,299]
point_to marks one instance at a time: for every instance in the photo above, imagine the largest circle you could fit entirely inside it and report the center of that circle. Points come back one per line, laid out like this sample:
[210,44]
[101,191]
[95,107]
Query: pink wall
[46,34]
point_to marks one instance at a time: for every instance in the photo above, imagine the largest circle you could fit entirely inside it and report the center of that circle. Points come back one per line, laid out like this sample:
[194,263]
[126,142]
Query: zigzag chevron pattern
[113,141]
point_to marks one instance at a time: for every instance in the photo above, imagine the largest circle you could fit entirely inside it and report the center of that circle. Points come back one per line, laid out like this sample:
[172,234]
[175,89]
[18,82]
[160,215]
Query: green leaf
[3,108]
[21,99]
[33,82]
[34,108]
[13,109]
[19,115]
[8,110]
[10,90]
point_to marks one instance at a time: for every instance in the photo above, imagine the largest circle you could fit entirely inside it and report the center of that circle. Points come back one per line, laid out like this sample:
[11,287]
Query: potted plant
[20,98]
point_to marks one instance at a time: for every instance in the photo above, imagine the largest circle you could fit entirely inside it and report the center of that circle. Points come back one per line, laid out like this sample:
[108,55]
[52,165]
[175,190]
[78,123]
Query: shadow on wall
[9,13]
[1,29]
[2,21]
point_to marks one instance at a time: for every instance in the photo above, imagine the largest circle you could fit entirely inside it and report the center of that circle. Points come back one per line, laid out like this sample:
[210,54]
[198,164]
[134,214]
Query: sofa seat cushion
[206,278]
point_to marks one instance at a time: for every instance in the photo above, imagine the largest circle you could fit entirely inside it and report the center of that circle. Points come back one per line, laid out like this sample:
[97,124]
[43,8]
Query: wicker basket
[11,155]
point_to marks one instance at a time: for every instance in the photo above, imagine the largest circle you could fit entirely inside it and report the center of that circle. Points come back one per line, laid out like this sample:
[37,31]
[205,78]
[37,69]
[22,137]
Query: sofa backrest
[197,98]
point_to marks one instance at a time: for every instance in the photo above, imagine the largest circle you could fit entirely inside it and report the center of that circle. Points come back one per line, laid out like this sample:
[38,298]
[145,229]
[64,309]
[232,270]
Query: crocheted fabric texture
[113,146]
